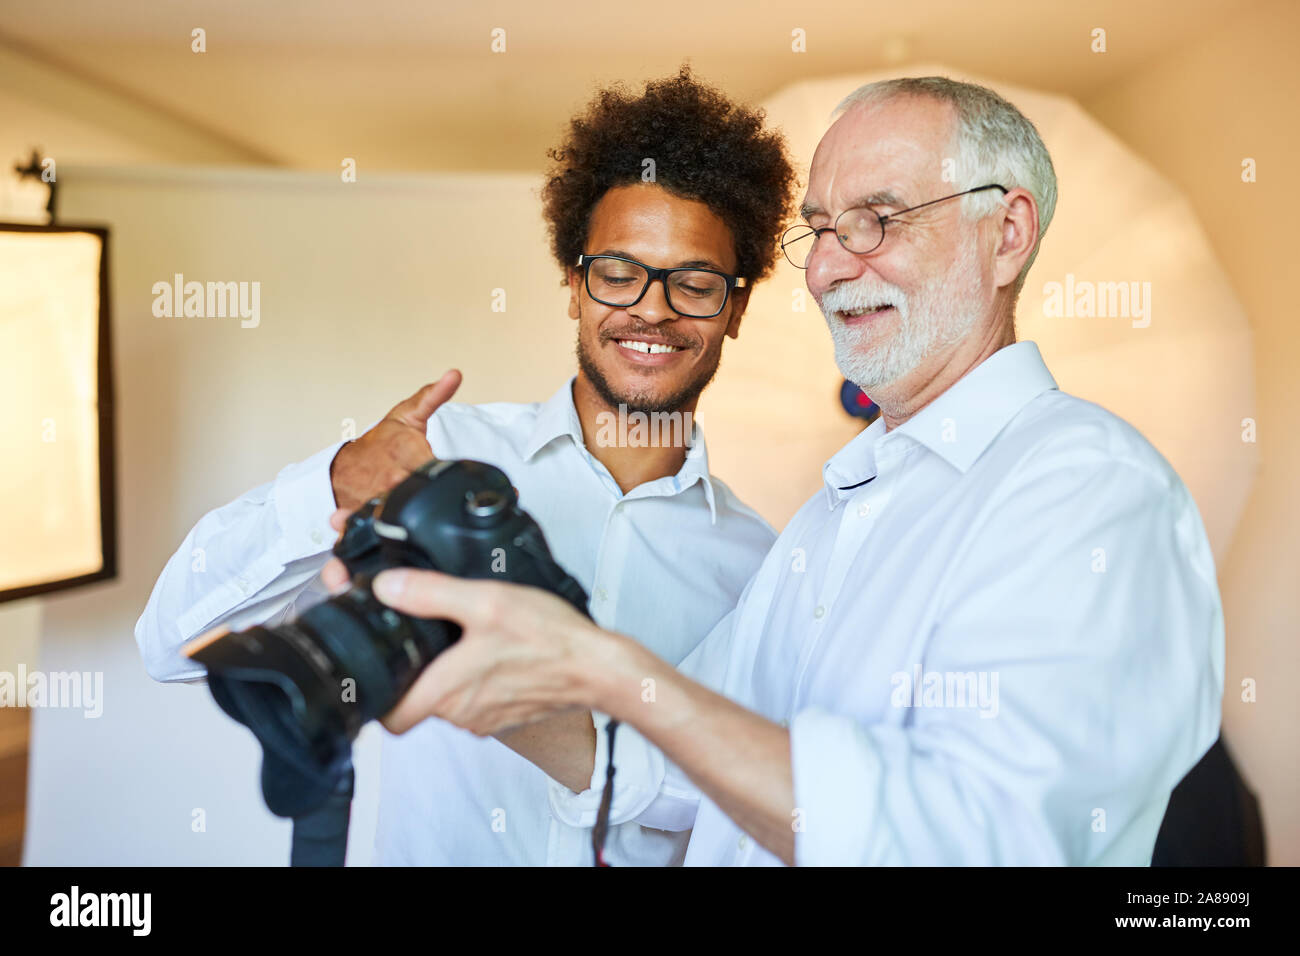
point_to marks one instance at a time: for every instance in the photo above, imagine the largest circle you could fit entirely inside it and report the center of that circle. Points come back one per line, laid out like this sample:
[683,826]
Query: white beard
[938,314]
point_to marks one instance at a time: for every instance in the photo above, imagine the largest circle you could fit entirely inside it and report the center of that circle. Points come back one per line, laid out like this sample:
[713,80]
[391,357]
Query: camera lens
[307,686]
[375,648]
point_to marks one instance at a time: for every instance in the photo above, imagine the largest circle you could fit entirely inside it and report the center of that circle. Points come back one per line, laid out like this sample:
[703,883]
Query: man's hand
[532,644]
[563,745]
[519,658]
[385,455]
[527,656]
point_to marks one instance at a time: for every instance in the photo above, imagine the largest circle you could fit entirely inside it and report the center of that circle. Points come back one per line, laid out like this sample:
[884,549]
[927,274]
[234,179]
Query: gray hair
[995,143]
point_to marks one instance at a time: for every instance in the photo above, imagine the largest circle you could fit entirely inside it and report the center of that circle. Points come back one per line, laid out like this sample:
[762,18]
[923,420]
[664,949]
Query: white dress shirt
[662,563]
[1042,570]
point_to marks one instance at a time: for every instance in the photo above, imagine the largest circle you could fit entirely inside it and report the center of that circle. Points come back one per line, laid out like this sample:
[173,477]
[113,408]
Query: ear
[575,294]
[1017,236]
[739,302]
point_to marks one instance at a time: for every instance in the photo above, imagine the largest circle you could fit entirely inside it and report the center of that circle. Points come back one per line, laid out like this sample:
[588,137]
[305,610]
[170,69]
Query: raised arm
[257,559]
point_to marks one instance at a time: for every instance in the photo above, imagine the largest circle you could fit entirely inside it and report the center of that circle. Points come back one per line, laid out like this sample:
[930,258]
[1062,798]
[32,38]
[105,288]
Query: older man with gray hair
[994,636]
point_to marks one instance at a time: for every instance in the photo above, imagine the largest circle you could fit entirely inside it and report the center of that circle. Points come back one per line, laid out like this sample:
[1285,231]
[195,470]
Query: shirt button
[742,842]
[864,510]
[820,612]
[315,537]
[242,583]
[601,594]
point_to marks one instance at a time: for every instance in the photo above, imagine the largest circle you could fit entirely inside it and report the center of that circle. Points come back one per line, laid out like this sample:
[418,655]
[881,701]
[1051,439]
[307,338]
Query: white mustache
[858,294]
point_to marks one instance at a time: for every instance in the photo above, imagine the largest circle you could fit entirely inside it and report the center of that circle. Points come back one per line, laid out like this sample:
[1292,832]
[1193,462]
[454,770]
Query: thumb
[415,411]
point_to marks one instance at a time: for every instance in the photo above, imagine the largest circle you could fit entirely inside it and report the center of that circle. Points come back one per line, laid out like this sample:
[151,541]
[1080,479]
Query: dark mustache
[650,332]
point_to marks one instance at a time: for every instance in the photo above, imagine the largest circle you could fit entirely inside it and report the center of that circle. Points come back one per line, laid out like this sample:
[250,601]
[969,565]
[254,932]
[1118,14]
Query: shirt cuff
[638,774]
[304,501]
[838,771]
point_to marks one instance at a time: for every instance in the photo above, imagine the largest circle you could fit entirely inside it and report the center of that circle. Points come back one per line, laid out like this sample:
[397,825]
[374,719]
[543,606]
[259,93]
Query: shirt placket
[861,512]
[611,559]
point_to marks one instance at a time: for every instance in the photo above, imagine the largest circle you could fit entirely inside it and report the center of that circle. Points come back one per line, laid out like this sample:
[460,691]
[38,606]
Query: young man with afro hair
[664,208]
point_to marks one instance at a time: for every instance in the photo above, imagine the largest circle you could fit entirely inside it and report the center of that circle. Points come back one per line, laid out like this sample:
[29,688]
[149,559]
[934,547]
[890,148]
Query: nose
[653,307]
[830,263]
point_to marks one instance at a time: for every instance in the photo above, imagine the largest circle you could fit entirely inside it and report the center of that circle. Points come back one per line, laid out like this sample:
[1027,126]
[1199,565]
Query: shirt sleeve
[1084,618]
[254,560]
[648,788]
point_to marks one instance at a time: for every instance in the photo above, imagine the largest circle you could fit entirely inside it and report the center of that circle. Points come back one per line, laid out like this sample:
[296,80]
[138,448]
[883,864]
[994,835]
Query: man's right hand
[385,455]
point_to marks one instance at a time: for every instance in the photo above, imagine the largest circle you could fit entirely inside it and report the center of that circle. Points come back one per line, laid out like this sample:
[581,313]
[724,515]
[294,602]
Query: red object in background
[856,402]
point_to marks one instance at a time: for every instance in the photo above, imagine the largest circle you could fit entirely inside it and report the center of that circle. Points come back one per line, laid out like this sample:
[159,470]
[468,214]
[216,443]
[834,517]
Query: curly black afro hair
[704,147]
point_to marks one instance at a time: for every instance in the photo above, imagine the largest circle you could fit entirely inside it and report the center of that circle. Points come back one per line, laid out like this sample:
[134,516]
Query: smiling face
[646,356]
[905,307]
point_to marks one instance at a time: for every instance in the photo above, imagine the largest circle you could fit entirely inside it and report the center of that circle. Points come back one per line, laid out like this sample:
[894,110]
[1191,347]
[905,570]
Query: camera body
[306,687]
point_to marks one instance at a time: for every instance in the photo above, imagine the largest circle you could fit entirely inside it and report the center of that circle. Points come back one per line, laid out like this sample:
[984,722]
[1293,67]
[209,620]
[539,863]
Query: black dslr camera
[306,687]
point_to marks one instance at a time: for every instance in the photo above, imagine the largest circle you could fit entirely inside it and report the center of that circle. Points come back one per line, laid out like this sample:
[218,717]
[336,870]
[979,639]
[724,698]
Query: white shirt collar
[558,417]
[958,425]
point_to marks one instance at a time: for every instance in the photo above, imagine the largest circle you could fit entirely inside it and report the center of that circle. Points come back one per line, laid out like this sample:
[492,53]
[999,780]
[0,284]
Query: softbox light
[57,526]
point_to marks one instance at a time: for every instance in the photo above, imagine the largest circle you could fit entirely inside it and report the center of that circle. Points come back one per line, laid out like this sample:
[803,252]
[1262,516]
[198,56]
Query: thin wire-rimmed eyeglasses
[692,293]
[860,230]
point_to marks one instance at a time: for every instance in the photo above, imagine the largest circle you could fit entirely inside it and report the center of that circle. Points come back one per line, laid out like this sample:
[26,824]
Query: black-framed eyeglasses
[692,293]
[860,230]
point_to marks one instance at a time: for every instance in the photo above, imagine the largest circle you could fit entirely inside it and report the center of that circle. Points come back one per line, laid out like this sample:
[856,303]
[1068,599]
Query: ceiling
[405,85]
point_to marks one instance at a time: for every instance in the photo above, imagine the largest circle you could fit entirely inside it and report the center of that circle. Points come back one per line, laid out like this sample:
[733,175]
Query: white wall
[72,121]
[84,774]
[367,291]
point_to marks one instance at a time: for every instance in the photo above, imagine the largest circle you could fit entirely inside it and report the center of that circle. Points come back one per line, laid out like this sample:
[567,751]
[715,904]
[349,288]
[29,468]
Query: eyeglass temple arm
[964,192]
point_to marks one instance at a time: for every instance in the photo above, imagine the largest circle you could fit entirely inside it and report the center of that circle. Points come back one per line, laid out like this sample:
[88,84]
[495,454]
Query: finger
[408,712]
[432,594]
[339,518]
[402,717]
[434,691]
[417,703]
[415,411]
[334,575]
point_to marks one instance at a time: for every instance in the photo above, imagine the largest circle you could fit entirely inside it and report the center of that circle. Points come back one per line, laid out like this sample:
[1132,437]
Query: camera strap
[316,795]
[320,836]
[601,829]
